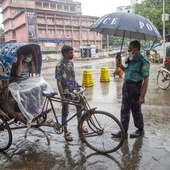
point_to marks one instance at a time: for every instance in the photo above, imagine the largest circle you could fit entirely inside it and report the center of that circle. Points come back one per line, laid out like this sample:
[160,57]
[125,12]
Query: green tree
[1,31]
[153,10]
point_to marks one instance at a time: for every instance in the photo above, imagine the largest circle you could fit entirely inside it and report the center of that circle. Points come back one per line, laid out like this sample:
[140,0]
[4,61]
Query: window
[75,22]
[59,7]
[60,32]
[13,11]
[41,31]
[66,8]
[30,2]
[83,22]
[67,32]
[77,42]
[14,33]
[39,19]
[85,42]
[14,1]
[68,43]
[92,42]
[66,21]
[59,20]
[38,4]
[12,23]
[50,20]
[52,6]
[22,1]
[50,31]
[84,32]
[72,9]
[46,5]
[76,32]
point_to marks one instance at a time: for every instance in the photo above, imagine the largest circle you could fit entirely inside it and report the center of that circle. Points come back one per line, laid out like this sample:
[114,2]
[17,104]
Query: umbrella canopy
[126,25]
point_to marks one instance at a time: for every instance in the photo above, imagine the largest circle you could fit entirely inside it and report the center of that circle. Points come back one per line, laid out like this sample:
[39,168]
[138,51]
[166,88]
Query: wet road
[149,152]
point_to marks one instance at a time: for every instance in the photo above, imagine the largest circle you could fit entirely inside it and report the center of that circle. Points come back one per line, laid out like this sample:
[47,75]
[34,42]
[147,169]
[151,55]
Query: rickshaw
[163,77]
[100,124]
[7,58]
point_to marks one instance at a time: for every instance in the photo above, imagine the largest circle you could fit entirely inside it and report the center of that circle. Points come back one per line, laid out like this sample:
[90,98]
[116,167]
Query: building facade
[126,9]
[51,24]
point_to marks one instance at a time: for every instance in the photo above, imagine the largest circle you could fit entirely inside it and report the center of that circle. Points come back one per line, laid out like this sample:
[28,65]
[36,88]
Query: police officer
[134,89]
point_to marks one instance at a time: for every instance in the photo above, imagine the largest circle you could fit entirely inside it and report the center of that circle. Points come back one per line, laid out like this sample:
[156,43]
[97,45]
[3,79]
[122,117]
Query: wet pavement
[149,152]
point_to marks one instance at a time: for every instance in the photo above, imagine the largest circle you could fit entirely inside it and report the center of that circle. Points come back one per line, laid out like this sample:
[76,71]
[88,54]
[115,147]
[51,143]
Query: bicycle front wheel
[163,79]
[100,125]
[5,134]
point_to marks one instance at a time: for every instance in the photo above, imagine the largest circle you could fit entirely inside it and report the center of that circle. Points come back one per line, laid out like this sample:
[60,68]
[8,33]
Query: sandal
[68,136]
[85,130]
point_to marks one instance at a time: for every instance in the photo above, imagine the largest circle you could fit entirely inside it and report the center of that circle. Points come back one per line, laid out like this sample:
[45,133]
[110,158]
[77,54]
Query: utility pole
[107,39]
[163,18]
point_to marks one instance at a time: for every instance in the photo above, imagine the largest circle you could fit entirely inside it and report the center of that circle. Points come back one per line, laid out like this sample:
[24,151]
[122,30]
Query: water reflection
[102,161]
[131,157]
[105,88]
[119,82]
[97,64]
[87,66]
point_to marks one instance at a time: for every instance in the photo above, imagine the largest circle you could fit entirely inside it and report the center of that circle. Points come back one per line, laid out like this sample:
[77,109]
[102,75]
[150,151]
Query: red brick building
[50,23]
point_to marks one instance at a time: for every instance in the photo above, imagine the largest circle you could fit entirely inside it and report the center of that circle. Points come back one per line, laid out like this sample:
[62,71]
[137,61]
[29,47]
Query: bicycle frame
[50,98]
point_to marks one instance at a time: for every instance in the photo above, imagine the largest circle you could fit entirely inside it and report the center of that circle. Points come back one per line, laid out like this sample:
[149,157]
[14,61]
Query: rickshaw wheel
[5,134]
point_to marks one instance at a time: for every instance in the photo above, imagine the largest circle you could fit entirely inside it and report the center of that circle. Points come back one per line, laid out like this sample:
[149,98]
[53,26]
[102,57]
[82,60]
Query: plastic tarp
[29,97]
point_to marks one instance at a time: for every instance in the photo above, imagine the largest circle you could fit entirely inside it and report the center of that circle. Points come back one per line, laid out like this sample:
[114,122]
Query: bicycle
[163,78]
[100,124]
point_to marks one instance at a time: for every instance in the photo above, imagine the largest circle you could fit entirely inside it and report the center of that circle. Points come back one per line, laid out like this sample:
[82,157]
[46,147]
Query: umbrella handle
[122,42]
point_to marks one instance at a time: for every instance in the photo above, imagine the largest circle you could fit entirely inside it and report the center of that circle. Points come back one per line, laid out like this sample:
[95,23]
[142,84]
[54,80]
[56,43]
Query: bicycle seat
[48,94]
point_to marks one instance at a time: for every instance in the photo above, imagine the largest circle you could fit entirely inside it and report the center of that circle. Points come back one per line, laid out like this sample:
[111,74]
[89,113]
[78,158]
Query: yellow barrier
[104,75]
[87,80]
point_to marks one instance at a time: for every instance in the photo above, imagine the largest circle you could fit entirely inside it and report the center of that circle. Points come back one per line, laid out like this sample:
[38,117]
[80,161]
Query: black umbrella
[127,25]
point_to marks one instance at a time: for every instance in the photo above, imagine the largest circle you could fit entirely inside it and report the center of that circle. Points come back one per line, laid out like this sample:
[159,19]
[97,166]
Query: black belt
[132,82]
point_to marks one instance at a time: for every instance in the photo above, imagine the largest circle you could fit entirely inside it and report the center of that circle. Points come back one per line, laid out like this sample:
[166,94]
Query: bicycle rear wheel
[100,125]
[5,134]
[163,79]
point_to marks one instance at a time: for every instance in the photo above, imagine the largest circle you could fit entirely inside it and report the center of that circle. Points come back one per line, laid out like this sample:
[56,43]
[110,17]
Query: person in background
[118,72]
[66,83]
[134,89]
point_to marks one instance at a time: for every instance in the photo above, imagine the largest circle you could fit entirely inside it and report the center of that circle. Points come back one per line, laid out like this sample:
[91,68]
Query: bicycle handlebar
[76,92]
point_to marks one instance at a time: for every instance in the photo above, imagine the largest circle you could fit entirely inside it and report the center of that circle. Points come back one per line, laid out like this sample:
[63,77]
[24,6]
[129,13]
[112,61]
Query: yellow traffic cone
[104,74]
[87,80]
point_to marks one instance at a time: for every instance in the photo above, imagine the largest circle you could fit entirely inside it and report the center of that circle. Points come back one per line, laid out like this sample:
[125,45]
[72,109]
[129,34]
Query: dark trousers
[130,102]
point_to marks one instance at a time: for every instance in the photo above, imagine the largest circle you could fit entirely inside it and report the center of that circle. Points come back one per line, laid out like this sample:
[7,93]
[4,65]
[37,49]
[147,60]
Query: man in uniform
[134,89]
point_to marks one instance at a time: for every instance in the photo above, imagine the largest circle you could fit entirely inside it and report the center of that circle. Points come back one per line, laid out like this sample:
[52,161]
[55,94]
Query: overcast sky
[101,7]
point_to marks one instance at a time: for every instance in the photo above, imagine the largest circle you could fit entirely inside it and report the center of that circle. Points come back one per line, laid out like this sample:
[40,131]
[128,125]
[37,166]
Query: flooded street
[151,152]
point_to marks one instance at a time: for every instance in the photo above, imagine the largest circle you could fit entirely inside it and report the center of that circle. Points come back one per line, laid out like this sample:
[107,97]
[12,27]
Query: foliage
[1,31]
[117,41]
[113,41]
[153,10]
